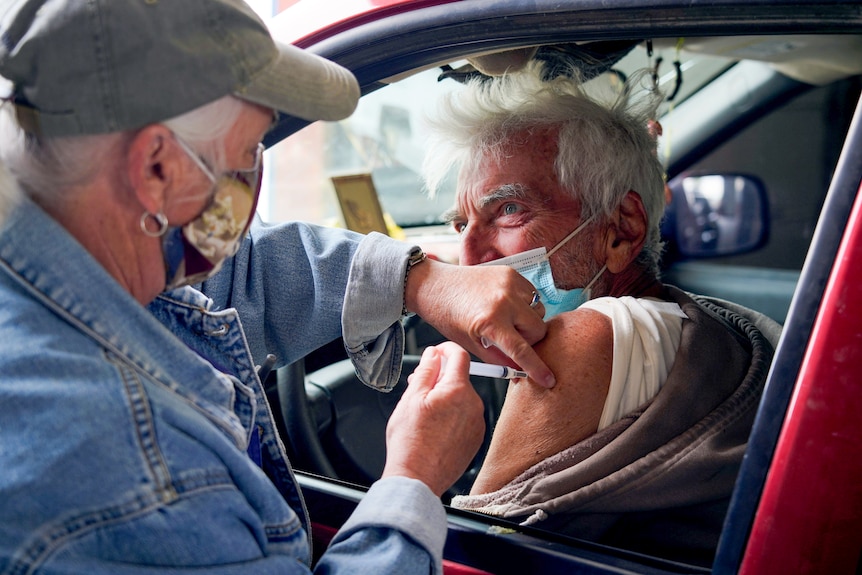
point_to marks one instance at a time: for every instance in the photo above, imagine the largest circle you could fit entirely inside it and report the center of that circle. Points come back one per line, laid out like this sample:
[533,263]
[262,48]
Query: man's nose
[476,247]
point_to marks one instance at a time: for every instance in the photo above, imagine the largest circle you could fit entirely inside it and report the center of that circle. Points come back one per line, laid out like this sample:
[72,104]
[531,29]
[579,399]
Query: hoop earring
[161,222]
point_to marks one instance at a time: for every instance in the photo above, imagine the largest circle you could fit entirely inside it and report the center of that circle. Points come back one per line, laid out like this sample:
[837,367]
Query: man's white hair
[605,148]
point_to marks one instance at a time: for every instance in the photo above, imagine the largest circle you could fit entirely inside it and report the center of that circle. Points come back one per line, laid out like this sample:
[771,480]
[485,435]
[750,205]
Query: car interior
[752,130]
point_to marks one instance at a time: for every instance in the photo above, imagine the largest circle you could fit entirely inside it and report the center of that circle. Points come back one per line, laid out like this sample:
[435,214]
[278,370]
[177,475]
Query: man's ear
[626,233]
[151,166]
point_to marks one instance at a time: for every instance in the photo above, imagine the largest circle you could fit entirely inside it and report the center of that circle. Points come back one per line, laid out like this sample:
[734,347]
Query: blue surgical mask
[535,265]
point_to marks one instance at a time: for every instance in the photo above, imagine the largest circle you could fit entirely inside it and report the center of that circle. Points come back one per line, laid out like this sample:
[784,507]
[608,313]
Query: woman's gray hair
[605,149]
[46,168]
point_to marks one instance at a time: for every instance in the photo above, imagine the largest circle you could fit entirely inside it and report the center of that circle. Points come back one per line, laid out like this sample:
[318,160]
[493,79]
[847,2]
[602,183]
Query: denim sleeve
[373,333]
[287,282]
[299,286]
[398,527]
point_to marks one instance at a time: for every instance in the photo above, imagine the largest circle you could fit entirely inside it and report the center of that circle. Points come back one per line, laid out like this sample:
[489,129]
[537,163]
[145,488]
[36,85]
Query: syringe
[498,371]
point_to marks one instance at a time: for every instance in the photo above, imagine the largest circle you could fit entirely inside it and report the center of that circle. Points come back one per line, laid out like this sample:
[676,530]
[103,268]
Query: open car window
[385,137]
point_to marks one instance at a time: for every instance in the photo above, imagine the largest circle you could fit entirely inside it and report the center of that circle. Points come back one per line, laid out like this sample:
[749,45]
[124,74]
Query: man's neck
[633,281]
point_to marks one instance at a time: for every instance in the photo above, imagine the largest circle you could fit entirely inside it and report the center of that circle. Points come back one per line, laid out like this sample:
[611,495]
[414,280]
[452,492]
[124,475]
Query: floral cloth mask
[535,265]
[196,251]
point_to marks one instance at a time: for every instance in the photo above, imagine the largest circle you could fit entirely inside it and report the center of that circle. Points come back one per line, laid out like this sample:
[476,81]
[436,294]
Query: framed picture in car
[359,203]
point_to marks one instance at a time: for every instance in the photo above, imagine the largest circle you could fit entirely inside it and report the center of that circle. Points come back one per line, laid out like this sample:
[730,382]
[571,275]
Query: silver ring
[535,301]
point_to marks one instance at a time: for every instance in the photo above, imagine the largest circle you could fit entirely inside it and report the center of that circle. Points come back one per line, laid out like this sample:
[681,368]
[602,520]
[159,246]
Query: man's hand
[486,309]
[438,425]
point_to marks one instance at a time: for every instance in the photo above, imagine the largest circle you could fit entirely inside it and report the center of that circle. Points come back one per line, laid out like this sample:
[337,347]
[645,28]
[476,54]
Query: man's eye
[510,209]
[459,226]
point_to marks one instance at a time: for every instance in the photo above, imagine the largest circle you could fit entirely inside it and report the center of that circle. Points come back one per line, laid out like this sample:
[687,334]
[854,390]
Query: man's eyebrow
[451,215]
[502,193]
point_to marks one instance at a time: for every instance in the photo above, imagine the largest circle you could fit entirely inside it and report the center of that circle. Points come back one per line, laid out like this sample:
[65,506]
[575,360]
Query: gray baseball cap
[78,67]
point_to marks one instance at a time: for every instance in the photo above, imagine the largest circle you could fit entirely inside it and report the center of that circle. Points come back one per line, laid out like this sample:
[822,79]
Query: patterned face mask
[197,250]
[535,265]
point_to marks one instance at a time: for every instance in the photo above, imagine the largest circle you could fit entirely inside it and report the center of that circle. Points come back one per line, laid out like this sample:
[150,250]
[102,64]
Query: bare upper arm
[536,422]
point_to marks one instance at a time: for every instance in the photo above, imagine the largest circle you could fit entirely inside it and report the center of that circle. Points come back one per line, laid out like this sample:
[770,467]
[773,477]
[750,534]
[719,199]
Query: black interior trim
[514,550]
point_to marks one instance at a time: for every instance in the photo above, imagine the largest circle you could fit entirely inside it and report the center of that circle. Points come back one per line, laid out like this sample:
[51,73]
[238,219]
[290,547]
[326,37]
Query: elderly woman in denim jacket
[136,436]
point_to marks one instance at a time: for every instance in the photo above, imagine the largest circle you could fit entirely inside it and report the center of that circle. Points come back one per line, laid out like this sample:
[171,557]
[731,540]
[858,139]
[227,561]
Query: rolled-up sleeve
[398,527]
[371,317]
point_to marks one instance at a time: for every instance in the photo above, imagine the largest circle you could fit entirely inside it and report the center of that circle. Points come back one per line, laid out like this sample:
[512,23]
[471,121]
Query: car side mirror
[716,215]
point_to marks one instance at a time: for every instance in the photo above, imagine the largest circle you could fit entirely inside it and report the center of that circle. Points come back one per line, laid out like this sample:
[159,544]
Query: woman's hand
[486,309]
[438,425]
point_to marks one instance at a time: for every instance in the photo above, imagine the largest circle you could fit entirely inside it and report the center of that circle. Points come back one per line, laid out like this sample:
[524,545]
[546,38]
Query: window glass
[384,137]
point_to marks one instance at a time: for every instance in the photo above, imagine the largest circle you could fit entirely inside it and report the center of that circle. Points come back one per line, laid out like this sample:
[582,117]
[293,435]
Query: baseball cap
[101,66]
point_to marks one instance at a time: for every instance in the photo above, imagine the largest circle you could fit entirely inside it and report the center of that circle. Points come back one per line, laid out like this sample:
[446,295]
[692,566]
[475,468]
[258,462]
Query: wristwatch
[417,256]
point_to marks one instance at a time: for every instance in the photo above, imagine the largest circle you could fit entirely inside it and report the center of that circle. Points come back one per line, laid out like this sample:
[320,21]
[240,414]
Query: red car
[762,92]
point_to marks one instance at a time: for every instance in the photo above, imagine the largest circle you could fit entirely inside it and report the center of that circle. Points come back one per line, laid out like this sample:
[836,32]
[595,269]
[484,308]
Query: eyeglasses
[215,233]
[249,178]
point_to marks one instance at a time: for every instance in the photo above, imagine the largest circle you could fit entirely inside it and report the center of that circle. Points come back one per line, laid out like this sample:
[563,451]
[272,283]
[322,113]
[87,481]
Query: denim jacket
[138,440]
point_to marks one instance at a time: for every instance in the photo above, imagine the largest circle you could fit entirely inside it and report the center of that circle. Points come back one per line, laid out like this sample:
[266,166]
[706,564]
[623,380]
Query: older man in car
[639,443]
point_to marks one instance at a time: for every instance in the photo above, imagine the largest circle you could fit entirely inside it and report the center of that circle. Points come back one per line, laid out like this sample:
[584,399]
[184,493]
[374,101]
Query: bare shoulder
[579,349]
[535,422]
[578,343]
[580,329]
